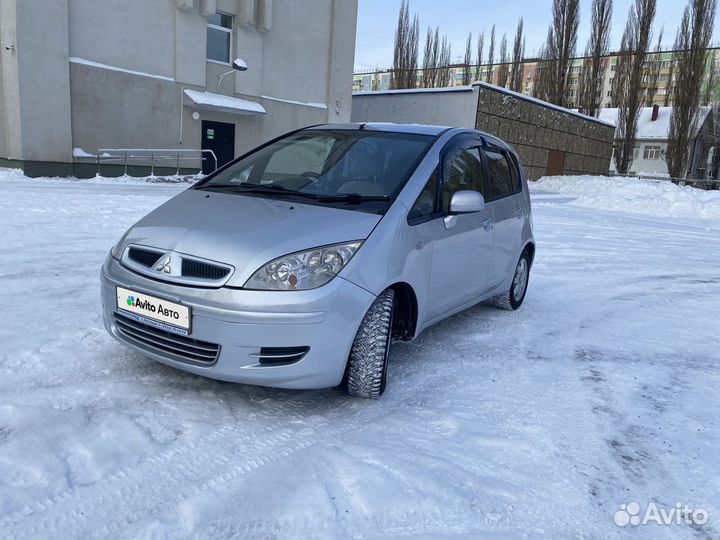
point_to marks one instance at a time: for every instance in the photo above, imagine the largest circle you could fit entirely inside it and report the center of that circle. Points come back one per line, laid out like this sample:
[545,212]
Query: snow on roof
[415,91]
[84,62]
[225,103]
[647,128]
[315,105]
[545,104]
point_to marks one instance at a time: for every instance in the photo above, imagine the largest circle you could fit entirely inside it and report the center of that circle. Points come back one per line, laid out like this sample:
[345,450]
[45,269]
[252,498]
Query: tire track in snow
[125,498]
[184,457]
[134,498]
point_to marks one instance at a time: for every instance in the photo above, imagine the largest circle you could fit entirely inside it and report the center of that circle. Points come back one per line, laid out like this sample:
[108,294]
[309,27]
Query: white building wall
[641,165]
[450,107]
[44,81]
[297,52]
[10,127]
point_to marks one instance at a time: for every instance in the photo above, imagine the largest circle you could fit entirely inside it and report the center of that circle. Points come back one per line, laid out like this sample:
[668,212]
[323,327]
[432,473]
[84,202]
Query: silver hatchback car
[298,264]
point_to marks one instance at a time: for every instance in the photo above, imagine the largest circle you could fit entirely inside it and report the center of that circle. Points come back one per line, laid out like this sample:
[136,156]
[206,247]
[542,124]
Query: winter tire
[513,299]
[366,372]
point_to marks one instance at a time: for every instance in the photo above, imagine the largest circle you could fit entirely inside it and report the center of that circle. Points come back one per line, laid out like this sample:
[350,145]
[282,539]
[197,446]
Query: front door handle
[518,213]
[487,224]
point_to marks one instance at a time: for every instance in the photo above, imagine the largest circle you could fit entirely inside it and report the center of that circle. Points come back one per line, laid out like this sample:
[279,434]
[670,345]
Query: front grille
[166,343]
[175,267]
[202,270]
[144,256]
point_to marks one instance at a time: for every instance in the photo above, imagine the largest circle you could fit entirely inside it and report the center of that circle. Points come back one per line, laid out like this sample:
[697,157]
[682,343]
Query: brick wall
[534,130]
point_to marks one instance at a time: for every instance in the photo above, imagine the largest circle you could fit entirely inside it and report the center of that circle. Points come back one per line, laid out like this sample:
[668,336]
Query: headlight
[303,270]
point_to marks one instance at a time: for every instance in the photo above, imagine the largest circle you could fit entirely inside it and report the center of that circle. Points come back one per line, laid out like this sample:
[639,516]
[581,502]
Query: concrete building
[652,140]
[549,140]
[659,86]
[78,76]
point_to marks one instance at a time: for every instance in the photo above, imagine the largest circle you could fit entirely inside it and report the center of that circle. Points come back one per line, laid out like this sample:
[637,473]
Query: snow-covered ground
[602,390]
[658,197]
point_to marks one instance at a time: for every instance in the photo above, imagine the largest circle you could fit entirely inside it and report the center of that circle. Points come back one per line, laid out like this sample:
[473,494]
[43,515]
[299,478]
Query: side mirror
[466,202]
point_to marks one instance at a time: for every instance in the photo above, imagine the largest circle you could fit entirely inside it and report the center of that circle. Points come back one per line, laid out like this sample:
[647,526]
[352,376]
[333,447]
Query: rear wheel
[366,372]
[513,299]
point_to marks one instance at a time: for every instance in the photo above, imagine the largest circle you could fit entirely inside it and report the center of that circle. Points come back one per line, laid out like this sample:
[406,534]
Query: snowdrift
[633,195]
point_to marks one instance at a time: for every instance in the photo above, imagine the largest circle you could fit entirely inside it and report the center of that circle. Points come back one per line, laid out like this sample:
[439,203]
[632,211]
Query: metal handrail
[154,154]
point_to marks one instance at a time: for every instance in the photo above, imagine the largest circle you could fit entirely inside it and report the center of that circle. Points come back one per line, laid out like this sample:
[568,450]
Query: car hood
[245,231]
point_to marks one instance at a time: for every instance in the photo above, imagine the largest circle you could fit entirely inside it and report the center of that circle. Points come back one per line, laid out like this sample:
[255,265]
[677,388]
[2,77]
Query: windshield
[360,169]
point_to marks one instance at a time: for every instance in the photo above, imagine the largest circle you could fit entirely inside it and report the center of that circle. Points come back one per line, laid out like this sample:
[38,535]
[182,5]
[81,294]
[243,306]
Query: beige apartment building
[662,85]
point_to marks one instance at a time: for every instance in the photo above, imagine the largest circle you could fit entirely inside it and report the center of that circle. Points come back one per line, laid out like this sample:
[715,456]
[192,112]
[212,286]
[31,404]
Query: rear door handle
[487,224]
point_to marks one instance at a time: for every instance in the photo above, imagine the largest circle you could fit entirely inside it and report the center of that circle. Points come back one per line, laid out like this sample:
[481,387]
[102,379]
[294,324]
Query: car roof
[420,129]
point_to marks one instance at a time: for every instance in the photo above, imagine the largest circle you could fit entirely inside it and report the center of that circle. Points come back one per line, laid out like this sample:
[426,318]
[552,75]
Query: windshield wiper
[268,189]
[353,198]
[275,189]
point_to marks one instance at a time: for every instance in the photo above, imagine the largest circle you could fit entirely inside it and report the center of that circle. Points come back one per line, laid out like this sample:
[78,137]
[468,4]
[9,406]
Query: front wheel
[366,372]
[513,299]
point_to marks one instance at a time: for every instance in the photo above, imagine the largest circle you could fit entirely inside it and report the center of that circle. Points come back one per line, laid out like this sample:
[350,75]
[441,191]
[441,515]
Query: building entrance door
[220,138]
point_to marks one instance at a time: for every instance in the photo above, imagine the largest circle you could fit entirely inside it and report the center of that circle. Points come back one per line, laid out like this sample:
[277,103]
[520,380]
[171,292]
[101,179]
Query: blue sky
[377,20]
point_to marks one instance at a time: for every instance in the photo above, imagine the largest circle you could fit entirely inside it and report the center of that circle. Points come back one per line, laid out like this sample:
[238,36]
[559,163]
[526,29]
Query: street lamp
[238,65]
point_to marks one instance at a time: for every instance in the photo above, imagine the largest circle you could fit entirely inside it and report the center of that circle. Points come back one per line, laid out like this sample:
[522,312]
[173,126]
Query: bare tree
[479,58]
[671,84]
[543,69]
[628,91]
[693,37]
[491,57]
[504,68]
[594,66]
[516,71]
[653,71]
[405,56]
[559,50]
[443,78]
[467,60]
[710,91]
[430,58]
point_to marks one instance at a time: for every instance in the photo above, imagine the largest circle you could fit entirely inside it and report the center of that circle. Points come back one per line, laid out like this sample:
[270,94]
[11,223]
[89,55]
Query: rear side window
[504,179]
[462,172]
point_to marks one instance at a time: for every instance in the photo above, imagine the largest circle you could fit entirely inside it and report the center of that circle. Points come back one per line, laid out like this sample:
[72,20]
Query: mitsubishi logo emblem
[164,264]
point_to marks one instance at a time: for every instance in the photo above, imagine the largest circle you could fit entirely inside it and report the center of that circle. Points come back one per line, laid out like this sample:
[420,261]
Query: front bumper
[242,322]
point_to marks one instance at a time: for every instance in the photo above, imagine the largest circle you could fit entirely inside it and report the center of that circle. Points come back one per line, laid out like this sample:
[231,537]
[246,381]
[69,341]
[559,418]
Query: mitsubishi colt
[299,263]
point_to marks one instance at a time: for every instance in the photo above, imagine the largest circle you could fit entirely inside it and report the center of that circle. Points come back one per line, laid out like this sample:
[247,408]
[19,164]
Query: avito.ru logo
[141,304]
[631,514]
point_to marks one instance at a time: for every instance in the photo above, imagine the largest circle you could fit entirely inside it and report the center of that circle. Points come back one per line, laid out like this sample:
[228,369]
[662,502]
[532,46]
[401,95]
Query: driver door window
[462,172]
[424,208]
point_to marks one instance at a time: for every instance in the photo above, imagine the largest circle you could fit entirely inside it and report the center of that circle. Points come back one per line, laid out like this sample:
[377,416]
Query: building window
[613,67]
[651,152]
[636,152]
[219,38]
